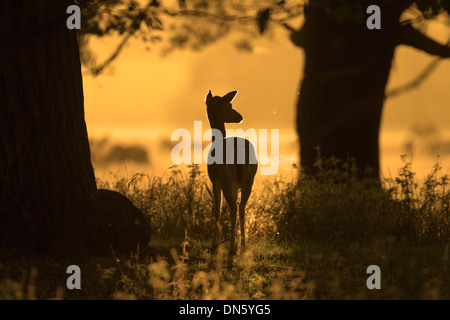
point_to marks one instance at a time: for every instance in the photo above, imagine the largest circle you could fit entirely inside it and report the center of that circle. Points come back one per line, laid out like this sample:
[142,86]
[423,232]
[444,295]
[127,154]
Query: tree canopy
[194,24]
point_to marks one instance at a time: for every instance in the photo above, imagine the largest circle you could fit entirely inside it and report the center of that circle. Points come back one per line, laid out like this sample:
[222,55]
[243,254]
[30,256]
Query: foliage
[170,25]
[430,8]
[195,24]
[307,239]
[182,200]
[335,206]
[339,207]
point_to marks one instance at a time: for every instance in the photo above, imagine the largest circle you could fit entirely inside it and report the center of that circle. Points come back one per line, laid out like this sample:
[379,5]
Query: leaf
[263,19]
[154,3]
[149,22]
[430,7]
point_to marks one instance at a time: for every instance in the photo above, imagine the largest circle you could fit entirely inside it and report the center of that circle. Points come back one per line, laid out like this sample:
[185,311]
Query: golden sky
[143,96]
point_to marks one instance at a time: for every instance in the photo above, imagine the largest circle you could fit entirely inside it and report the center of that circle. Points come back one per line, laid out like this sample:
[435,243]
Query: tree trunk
[346,71]
[49,202]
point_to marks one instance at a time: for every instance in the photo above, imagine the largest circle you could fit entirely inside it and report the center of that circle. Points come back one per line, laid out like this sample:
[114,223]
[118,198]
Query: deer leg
[245,194]
[242,225]
[233,214]
[217,206]
[230,195]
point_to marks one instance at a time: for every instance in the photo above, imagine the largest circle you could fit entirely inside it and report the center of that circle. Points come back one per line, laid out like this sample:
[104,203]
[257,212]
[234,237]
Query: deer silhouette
[232,165]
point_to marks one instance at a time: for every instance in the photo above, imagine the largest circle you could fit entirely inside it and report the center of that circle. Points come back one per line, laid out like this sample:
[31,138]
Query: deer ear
[229,97]
[208,96]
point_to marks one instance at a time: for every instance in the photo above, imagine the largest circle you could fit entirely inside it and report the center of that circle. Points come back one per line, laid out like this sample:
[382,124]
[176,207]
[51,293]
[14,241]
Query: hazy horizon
[143,97]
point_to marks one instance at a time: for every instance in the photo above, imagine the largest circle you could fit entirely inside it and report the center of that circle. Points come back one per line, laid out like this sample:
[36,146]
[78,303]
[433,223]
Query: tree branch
[289,27]
[289,13]
[416,82]
[410,36]
[95,71]
[297,36]
[416,39]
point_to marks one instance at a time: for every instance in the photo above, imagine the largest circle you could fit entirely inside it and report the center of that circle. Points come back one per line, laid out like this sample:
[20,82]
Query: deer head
[220,109]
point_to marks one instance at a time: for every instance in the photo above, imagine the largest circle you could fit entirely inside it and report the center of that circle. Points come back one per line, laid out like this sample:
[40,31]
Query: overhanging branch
[418,80]
[95,71]
[286,15]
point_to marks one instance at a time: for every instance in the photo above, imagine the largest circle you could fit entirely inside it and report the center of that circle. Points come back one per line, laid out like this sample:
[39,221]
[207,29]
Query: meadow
[306,239]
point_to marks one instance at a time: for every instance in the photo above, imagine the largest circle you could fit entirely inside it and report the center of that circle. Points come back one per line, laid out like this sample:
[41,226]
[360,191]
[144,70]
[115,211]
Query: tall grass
[307,239]
[183,200]
[310,238]
[339,207]
[335,206]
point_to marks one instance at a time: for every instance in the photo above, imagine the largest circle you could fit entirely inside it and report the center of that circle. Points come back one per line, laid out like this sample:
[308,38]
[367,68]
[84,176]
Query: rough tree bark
[345,75]
[49,202]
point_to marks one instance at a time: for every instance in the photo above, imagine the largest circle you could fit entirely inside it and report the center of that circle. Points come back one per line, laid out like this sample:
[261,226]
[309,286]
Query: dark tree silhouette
[49,202]
[345,75]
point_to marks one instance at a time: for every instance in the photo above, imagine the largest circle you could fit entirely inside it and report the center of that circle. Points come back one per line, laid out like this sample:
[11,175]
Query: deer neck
[219,125]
